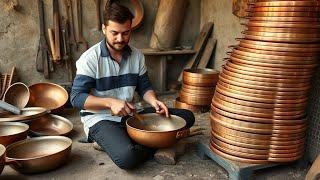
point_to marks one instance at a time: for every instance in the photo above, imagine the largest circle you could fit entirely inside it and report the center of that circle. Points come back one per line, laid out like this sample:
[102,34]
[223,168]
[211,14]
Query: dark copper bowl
[195,109]
[48,95]
[17,94]
[200,77]
[2,157]
[51,125]
[11,132]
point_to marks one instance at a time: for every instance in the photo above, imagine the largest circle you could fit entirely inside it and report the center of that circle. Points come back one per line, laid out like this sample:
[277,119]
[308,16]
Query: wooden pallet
[236,170]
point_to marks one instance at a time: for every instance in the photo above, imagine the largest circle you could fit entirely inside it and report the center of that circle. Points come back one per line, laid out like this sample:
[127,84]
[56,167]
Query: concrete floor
[87,163]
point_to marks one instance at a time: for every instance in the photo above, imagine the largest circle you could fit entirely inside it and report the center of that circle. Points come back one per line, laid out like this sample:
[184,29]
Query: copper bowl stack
[197,89]
[258,109]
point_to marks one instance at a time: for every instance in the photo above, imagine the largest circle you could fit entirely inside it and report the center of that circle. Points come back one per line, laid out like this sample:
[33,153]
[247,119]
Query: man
[107,76]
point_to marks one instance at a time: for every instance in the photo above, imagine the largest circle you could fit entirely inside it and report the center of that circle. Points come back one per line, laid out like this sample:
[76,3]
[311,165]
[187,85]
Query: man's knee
[127,159]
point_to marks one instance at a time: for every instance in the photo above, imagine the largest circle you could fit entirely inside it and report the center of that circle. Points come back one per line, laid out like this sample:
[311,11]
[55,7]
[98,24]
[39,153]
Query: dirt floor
[88,163]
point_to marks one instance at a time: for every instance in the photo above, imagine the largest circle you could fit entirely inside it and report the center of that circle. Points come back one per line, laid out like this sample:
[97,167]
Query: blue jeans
[123,151]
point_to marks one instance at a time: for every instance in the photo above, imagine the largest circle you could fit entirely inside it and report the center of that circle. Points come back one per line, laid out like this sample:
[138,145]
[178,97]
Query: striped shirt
[100,75]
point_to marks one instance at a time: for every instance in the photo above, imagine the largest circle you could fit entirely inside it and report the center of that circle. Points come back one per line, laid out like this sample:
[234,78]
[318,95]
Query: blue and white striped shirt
[99,75]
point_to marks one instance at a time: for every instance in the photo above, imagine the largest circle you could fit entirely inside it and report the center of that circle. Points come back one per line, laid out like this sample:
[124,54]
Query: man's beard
[114,48]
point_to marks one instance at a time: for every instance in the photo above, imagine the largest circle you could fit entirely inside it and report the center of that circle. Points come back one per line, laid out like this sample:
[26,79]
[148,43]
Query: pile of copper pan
[258,109]
[197,89]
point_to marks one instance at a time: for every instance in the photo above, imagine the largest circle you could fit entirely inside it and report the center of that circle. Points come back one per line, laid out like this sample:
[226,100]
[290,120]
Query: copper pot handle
[183,134]
[12,162]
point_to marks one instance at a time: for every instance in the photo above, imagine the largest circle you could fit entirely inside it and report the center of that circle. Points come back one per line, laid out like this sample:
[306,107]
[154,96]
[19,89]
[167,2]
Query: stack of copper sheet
[258,109]
[197,89]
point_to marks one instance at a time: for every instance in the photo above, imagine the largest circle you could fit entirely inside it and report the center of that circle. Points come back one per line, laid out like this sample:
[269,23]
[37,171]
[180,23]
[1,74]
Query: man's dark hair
[116,12]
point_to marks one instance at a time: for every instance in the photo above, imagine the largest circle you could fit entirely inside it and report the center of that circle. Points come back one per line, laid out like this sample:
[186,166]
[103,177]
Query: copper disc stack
[197,89]
[258,109]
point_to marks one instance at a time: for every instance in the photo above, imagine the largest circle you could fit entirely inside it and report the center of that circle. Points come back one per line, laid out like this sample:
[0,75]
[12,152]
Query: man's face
[117,35]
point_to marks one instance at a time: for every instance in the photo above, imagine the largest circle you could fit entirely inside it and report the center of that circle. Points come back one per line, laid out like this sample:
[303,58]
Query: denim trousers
[123,151]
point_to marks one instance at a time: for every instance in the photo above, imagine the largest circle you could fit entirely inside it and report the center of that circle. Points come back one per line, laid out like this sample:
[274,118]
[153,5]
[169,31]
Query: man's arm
[151,98]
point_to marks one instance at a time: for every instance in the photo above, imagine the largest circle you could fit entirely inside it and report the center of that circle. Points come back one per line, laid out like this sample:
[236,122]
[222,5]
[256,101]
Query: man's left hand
[160,107]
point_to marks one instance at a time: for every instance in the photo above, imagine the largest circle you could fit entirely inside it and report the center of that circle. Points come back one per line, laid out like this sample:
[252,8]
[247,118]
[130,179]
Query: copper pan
[138,13]
[284,30]
[17,94]
[194,109]
[27,114]
[286,105]
[286,9]
[37,155]
[250,61]
[304,73]
[276,44]
[284,160]
[198,88]
[282,59]
[48,95]
[282,39]
[287,3]
[11,132]
[264,86]
[284,14]
[201,73]
[263,79]
[256,112]
[2,157]
[262,93]
[195,99]
[202,82]
[262,100]
[282,25]
[276,53]
[220,109]
[200,91]
[284,19]
[265,137]
[235,158]
[276,35]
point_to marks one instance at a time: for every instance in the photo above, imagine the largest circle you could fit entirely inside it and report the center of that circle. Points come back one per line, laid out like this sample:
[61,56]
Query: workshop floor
[87,163]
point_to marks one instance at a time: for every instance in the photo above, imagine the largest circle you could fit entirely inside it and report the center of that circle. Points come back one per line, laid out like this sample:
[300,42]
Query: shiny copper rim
[198,92]
[280,39]
[284,30]
[262,85]
[287,3]
[282,35]
[259,128]
[262,93]
[285,105]
[276,53]
[283,160]
[285,9]
[282,25]
[268,137]
[256,112]
[194,99]
[265,63]
[285,19]
[201,73]
[284,14]
[202,82]
[198,88]
[283,45]
[235,158]
[264,79]
[244,83]
[10,118]
[223,112]
[195,109]
[281,59]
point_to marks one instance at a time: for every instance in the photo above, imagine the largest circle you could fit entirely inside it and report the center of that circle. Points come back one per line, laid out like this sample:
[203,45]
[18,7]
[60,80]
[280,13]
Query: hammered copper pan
[37,155]
[283,45]
[11,132]
[200,77]
[195,99]
[276,35]
[282,39]
[284,30]
[194,109]
[284,14]
[27,114]
[284,19]
[314,51]
[17,94]
[198,89]
[2,157]
[276,53]
[285,9]
[282,25]
[287,3]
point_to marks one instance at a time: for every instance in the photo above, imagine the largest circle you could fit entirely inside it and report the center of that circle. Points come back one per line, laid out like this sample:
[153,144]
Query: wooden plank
[199,46]
[211,44]
[314,171]
[156,52]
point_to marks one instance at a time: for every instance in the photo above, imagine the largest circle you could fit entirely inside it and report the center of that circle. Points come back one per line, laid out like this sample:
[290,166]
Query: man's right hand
[121,107]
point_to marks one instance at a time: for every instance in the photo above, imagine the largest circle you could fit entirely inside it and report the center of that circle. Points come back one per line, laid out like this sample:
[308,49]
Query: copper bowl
[17,94]
[284,14]
[198,89]
[195,109]
[287,3]
[40,154]
[11,132]
[2,157]
[200,77]
[138,11]
[195,99]
[51,125]
[48,95]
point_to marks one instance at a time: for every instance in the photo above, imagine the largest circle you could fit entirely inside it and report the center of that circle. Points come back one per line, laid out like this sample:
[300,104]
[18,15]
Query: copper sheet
[284,14]
[284,19]
[276,53]
[219,109]
[27,114]
[286,9]
[282,25]
[287,3]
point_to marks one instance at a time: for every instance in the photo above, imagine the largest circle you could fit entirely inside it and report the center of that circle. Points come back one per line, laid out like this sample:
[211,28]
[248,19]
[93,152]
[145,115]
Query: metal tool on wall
[42,64]
[69,9]
[78,26]
[57,55]
[67,55]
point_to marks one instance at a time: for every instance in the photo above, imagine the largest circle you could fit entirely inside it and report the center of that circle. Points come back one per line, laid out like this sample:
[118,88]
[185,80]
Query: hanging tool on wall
[56,54]
[98,2]
[67,55]
[78,26]
[42,64]
[69,9]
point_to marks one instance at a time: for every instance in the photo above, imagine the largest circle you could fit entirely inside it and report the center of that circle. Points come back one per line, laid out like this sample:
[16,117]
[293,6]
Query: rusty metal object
[11,132]
[39,154]
[27,114]
[200,77]
[2,157]
[156,130]
[194,109]
[17,94]
[51,125]
[48,95]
